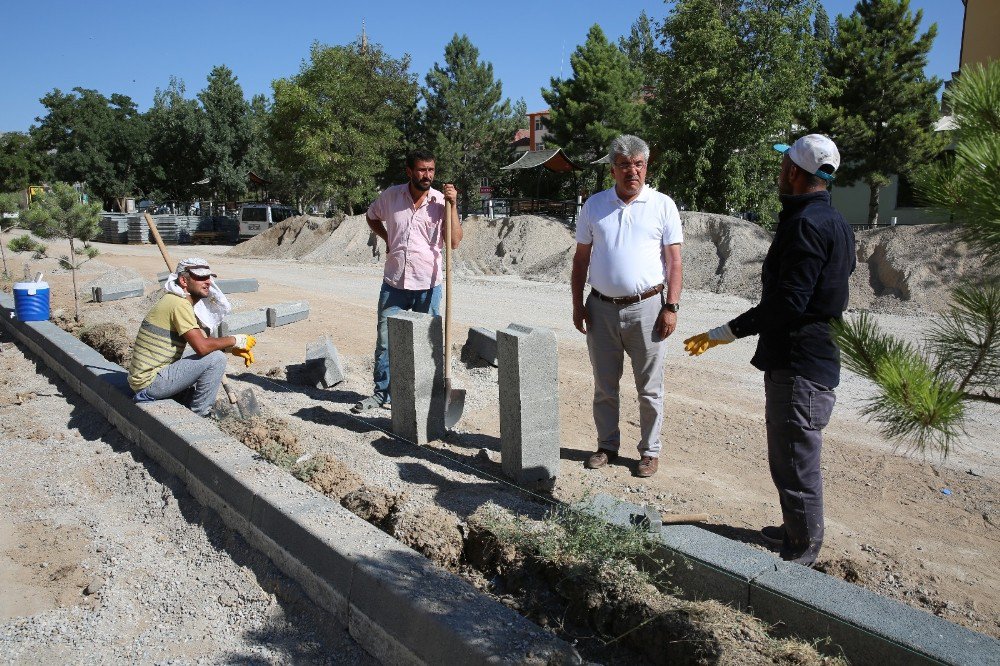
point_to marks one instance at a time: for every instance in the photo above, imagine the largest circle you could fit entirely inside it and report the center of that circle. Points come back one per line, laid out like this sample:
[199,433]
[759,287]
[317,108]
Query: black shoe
[773,534]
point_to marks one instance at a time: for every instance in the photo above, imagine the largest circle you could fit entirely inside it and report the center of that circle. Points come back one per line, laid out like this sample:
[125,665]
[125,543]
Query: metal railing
[506,207]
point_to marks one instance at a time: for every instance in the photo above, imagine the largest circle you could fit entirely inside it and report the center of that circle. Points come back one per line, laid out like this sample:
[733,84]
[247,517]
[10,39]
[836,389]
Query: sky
[134,48]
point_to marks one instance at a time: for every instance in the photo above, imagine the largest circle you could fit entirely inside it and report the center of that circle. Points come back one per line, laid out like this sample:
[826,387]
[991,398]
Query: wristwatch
[672,307]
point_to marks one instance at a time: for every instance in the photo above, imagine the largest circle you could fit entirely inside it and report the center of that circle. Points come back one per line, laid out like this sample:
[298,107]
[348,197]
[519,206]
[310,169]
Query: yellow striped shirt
[161,339]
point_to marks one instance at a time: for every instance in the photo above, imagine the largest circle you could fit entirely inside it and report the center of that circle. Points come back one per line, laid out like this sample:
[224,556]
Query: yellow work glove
[247,357]
[697,345]
[244,343]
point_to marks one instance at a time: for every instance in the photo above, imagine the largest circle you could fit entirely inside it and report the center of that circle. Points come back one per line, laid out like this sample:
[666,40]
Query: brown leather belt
[628,300]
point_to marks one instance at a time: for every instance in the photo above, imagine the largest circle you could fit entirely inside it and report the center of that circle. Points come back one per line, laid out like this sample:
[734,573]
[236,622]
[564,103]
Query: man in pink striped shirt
[409,218]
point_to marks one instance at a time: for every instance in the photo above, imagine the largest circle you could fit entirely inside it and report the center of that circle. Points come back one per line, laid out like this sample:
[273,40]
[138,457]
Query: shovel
[454,397]
[242,406]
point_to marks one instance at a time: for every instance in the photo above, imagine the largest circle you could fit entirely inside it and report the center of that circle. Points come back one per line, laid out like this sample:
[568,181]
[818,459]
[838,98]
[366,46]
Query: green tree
[177,128]
[734,76]
[879,106]
[923,392]
[600,101]
[21,162]
[229,134]
[96,140]
[8,206]
[470,123]
[333,125]
[60,213]
[639,46]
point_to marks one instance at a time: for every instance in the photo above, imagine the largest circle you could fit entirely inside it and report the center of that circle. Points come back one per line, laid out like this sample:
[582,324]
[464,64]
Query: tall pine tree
[734,77]
[879,106]
[229,134]
[599,101]
[469,122]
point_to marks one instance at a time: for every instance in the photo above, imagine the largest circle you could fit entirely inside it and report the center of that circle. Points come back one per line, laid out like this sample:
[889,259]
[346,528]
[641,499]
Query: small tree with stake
[8,205]
[923,392]
[61,214]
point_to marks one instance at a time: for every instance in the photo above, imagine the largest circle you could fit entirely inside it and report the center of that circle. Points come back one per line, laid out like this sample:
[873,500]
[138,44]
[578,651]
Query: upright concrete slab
[130,289]
[287,313]
[323,366]
[529,403]
[416,371]
[250,322]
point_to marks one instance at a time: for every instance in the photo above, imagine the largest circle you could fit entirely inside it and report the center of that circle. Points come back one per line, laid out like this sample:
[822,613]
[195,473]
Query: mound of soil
[431,531]
[335,479]
[374,504]
[111,340]
[292,238]
[723,254]
[268,435]
[533,247]
[909,269]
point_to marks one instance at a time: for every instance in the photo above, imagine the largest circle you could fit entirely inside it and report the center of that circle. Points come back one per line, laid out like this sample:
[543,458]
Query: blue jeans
[391,301]
[202,375]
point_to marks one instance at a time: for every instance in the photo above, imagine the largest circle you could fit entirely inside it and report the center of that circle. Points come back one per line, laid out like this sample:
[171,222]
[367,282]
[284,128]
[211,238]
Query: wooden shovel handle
[678,518]
[447,290]
[159,241]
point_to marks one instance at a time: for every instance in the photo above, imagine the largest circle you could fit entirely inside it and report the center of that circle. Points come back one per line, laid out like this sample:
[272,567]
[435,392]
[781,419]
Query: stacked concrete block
[481,345]
[130,289]
[253,321]
[416,368]
[287,313]
[529,403]
[323,366]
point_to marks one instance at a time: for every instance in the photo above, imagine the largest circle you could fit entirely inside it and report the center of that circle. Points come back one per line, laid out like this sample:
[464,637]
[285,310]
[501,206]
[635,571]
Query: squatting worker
[628,240]
[159,369]
[409,219]
[805,288]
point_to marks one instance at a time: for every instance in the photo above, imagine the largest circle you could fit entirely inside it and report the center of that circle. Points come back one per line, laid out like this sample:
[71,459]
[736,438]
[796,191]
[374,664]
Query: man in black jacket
[805,287]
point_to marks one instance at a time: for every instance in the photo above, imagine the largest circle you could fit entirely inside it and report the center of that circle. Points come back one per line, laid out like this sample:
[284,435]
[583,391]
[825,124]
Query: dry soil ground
[890,526]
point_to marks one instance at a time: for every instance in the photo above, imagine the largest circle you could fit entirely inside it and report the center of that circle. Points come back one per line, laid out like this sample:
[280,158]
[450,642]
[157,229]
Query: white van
[258,217]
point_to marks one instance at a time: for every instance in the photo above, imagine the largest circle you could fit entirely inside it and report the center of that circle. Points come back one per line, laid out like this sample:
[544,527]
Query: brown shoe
[647,467]
[600,459]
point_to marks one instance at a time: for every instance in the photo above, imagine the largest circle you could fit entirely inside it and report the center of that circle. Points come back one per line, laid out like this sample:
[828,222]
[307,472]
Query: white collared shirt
[627,240]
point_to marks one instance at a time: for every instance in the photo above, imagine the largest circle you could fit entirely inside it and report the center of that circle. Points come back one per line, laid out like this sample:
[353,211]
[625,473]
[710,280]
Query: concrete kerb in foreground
[797,601]
[399,606]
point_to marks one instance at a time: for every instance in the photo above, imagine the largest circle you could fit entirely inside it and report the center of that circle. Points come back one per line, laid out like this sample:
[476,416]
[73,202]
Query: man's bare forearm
[378,228]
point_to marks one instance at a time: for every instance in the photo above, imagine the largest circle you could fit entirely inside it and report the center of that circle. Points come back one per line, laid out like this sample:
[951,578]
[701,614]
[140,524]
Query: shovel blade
[454,404]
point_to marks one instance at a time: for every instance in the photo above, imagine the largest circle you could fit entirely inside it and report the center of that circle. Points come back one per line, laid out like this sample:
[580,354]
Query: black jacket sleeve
[790,272]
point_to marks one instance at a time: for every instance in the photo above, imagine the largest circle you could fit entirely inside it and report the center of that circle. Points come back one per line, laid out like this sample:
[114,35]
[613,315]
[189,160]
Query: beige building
[981,31]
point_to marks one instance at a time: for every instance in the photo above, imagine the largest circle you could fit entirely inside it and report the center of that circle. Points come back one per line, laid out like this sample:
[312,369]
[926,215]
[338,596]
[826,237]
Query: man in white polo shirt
[629,239]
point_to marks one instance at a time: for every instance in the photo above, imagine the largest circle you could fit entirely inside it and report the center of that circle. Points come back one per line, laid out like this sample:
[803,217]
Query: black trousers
[796,411]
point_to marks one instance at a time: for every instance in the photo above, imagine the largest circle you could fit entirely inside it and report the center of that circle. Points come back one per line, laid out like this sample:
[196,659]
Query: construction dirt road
[923,530]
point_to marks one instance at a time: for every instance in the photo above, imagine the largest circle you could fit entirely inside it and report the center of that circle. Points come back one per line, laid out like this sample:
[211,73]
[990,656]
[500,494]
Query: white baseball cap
[196,266]
[812,153]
